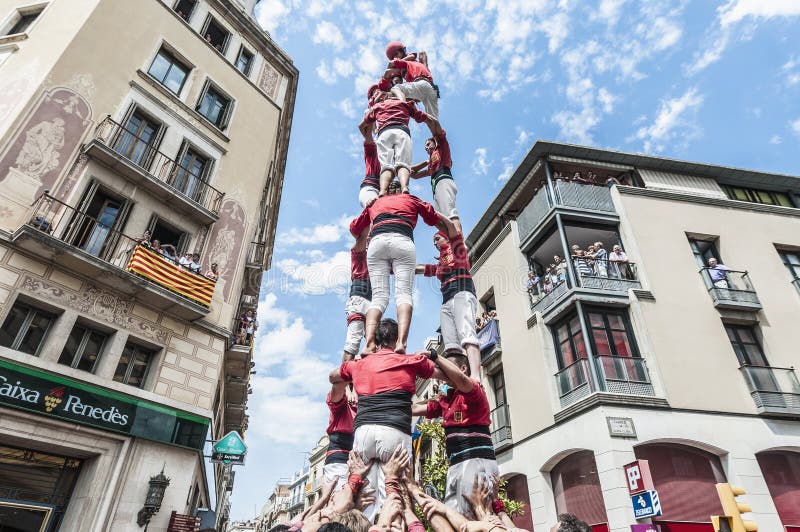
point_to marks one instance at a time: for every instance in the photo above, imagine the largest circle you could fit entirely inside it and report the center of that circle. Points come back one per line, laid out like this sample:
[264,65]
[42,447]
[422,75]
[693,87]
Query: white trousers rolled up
[391,252]
[462,476]
[457,320]
[376,443]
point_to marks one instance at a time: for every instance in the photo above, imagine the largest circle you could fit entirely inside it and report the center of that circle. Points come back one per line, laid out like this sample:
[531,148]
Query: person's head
[430,145]
[248,313]
[353,520]
[395,50]
[156,243]
[556,259]
[386,334]
[440,240]
[460,360]
[394,188]
[214,267]
[196,257]
[334,527]
[579,253]
[547,270]
[577,175]
[616,248]
[146,234]
[598,245]
[531,275]
[712,262]
[575,247]
[590,248]
[570,523]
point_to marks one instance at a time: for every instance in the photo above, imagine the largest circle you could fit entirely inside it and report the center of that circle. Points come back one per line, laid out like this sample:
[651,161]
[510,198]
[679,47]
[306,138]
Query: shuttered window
[781,470]
[577,488]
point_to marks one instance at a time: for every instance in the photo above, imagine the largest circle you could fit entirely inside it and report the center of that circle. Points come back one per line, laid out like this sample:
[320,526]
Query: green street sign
[229,450]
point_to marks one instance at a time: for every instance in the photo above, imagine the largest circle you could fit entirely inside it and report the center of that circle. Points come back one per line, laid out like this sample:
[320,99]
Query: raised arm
[433,125]
[417,170]
[447,226]
[461,381]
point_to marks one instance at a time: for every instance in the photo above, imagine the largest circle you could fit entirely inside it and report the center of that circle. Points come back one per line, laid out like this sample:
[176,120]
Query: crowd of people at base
[484,319]
[590,179]
[594,261]
[188,261]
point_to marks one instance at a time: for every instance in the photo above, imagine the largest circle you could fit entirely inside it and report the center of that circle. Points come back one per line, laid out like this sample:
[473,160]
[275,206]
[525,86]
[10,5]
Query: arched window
[781,470]
[577,490]
[517,489]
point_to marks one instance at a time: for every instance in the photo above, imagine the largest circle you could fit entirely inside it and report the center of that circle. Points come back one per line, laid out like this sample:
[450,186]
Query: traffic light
[732,520]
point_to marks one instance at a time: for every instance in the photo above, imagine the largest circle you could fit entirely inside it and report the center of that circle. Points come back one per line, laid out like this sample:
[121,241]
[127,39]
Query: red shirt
[393,112]
[386,371]
[358,265]
[342,415]
[440,156]
[414,69]
[453,257]
[461,409]
[371,162]
[394,213]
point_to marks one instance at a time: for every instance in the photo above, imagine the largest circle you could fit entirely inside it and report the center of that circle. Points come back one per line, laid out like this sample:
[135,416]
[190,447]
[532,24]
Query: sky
[715,82]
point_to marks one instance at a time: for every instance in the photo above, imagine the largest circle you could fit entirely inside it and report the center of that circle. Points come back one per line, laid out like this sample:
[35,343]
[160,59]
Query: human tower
[368,482]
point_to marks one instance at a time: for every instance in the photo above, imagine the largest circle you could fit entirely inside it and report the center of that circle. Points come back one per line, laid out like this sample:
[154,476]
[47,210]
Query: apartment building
[298,488]
[275,511]
[123,124]
[649,351]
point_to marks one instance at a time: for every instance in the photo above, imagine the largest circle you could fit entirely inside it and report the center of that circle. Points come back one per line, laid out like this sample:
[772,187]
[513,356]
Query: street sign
[646,504]
[639,478]
[229,450]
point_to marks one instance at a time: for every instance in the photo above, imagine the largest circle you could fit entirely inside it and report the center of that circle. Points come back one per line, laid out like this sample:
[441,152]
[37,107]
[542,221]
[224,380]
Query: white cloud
[271,14]
[671,116]
[791,69]
[736,10]
[316,277]
[775,139]
[318,234]
[795,125]
[328,33]
[480,164]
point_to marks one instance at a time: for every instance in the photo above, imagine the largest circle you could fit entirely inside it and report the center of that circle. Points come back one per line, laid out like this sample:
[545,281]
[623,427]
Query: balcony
[56,232]
[134,158]
[621,376]
[571,196]
[730,289]
[775,390]
[594,280]
[489,341]
[501,428]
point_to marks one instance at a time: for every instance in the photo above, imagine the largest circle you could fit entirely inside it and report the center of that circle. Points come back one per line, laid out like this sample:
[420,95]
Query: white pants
[365,194]
[423,91]
[355,328]
[457,320]
[335,473]
[444,198]
[462,476]
[721,283]
[377,443]
[391,252]
[394,149]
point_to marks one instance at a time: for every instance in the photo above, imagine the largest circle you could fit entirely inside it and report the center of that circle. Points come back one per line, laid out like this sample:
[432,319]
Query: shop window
[83,348]
[133,365]
[169,71]
[25,328]
[215,34]
[214,106]
[244,61]
[185,8]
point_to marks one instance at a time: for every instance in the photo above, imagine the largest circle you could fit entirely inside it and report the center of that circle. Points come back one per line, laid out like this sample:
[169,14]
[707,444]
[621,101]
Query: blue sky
[715,82]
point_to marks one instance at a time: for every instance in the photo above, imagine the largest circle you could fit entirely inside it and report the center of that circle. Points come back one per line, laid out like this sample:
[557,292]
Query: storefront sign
[229,450]
[50,395]
[621,427]
[646,504]
[638,475]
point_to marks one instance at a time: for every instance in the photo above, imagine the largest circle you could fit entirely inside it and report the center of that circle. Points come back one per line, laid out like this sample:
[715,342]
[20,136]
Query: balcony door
[745,343]
[96,227]
[191,172]
[138,139]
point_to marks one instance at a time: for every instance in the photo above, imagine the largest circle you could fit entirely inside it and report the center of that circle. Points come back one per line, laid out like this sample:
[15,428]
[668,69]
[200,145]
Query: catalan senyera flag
[155,267]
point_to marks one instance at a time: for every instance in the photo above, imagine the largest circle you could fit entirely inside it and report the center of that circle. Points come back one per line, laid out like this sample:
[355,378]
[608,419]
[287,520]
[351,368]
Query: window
[791,259]
[244,61]
[570,345]
[83,348]
[215,34]
[25,328]
[22,20]
[191,172]
[499,387]
[168,71]
[139,138]
[704,250]
[97,226]
[167,233]
[746,345]
[214,106]
[185,8]
[133,365]
[753,195]
[611,333]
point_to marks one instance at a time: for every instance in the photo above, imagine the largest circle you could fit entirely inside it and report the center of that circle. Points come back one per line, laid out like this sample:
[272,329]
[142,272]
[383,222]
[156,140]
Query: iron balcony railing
[256,253]
[730,288]
[774,390]
[566,194]
[99,238]
[598,274]
[620,375]
[501,426]
[157,165]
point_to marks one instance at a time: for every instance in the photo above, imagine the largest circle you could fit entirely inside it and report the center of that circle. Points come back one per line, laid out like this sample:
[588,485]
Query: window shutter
[781,470]
[577,490]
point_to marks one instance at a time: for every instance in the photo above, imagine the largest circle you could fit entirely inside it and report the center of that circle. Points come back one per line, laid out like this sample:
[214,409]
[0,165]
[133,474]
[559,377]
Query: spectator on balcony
[144,240]
[534,284]
[194,265]
[547,281]
[591,178]
[155,245]
[560,269]
[169,252]
[578,178]
[584,270]
[185,261]
[611,181]
[213,273]
[575,248]
[718,273]
[617,262]
[600,257]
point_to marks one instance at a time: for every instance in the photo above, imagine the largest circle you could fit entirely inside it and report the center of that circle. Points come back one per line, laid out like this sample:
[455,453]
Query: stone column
[57,336]
[109,358]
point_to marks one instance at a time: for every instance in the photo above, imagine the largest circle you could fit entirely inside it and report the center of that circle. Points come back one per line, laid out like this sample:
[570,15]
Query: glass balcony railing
[774,390]
[501,426]
[730,288]
[574,382]
[574,195]
[619,375]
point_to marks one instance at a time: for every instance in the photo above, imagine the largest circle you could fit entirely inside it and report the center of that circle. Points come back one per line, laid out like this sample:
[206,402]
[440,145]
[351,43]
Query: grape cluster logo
[53,398]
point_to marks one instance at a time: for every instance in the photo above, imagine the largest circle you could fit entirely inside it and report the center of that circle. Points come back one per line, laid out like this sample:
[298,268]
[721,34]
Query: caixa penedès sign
[60,397]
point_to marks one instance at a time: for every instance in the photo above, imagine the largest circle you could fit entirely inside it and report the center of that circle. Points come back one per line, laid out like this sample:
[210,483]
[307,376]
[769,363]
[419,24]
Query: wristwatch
[433,355]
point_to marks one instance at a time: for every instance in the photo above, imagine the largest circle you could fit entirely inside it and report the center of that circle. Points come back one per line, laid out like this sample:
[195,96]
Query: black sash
[390,409]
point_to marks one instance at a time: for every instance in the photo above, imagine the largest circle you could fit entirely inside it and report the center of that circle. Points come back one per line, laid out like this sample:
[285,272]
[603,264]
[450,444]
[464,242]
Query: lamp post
[153,500]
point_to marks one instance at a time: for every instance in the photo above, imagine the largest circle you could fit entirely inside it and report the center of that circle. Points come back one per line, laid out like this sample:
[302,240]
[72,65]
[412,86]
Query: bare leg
[386,178]
[346,357]
[403,323]
[373,318]
[403,175]
[474,357]
[457,222]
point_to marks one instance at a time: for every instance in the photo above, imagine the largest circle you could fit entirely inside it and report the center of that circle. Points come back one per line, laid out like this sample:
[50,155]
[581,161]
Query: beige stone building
[645,351]
[276,510]
[123,122]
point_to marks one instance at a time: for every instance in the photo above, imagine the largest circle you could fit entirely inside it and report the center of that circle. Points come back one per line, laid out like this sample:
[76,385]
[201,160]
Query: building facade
[124,123]
[648,351]
[276,510]
[298,488]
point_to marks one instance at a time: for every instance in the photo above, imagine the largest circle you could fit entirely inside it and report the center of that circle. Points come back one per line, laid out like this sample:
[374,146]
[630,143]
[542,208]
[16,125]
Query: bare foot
[368,350]
[400,348]
[404,190]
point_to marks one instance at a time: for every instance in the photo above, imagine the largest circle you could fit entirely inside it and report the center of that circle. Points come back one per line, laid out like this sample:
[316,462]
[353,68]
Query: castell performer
[393,140]
[439,166]
[459,303]
[468,442]
[418,79]
[384,381]
[370,186]
[391,249]
[343,404]
[360,295]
